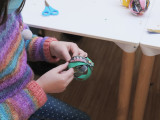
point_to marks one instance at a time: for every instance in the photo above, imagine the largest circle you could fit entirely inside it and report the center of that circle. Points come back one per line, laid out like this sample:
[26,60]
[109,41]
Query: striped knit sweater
[20,95]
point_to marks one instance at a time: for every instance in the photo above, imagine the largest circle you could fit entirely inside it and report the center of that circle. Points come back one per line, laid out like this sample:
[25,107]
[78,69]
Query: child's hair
[4,10]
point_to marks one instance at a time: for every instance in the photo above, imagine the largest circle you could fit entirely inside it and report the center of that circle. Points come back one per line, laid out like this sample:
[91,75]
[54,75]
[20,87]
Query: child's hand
[57,79]
[62,50]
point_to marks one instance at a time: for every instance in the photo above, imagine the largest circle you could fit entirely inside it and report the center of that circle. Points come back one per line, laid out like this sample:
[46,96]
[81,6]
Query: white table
[101,19]
[150,45]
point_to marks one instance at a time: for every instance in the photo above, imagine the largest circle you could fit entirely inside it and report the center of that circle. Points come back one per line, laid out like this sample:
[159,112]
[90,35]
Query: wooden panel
[125,85]
[142,87]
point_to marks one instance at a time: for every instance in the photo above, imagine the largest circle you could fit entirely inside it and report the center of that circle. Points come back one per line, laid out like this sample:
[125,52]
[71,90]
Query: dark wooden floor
[97,96]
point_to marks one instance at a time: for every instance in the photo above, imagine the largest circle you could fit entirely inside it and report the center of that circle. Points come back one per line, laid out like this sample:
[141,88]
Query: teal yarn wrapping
[77,62]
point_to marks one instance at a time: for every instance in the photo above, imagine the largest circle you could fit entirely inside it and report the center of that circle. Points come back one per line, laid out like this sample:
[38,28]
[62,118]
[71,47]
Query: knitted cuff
[37,92]
[46,49]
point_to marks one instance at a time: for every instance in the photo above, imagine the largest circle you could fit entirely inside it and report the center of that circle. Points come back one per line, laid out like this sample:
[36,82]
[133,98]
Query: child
[21,96]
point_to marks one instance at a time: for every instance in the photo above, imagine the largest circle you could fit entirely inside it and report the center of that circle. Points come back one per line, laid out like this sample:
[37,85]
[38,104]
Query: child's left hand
[62,50]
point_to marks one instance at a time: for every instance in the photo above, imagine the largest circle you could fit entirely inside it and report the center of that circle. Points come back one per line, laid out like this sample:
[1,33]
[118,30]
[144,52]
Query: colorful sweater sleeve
[38,48]
[24,103]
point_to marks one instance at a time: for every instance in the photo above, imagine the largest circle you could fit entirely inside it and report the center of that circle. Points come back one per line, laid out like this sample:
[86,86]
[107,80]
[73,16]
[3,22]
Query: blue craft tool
[49,10]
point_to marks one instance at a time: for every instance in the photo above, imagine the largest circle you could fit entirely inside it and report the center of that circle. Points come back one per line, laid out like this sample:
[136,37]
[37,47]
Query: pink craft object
[138,7]
[143,3]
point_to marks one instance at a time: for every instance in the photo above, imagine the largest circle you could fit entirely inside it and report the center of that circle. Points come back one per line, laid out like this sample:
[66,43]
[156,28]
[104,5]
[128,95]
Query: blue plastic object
[49,10]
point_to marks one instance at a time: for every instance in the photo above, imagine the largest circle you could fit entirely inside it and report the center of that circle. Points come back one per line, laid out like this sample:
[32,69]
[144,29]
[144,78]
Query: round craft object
[138,7]
[83,67]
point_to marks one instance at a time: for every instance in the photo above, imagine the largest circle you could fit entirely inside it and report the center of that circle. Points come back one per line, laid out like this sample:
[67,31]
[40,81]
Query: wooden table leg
[142,87]
[125,85]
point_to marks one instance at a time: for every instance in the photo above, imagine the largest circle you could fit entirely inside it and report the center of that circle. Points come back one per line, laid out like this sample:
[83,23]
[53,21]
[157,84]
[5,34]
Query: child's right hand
[56,80]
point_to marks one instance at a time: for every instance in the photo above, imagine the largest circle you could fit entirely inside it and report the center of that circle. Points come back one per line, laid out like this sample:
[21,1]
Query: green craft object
[83,67]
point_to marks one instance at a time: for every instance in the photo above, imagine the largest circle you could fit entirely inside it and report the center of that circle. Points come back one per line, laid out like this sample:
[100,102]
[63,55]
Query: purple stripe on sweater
[7,47]
[41,51]
[38,47]
[7,41]
[9,35]
[17,76]
[32,100]
[8,23]
[25,108]
[3,26]
[16,87]
[25,26]
[35,46]
[12,26]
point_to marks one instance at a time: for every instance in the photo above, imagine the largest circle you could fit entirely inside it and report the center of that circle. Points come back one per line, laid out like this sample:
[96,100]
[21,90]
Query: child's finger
[56,59]
[74,49]
[82,53]
[69,73]
[62,67]
[70,79]
[66,55]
